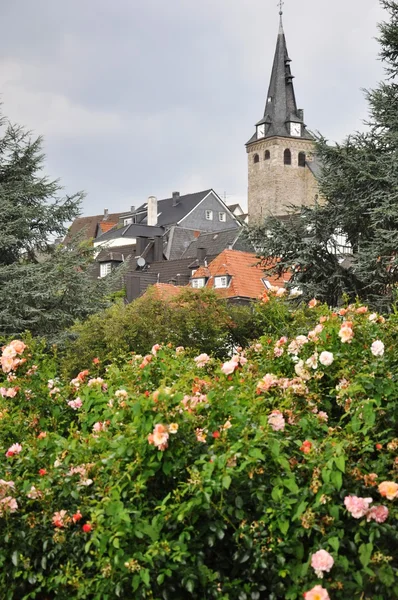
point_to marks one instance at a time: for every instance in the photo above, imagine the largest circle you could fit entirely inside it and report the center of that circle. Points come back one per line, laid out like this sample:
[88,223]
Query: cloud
[51,114]
[146,98]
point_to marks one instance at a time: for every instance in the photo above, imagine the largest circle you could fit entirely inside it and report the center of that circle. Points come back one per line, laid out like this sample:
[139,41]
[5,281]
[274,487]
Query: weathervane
[280,4]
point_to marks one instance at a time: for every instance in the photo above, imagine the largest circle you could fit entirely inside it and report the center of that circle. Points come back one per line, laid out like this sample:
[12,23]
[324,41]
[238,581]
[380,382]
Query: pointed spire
[281,107]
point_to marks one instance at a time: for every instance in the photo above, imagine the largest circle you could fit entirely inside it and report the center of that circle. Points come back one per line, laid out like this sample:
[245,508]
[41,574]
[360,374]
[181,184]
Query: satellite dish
[141,261]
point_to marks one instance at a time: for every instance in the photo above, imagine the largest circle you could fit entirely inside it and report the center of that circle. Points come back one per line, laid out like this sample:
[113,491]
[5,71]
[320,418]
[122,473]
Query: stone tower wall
[273,186]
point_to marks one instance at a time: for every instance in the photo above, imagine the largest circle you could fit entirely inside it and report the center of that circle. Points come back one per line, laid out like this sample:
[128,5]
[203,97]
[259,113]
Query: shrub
[267,477]
[195,320]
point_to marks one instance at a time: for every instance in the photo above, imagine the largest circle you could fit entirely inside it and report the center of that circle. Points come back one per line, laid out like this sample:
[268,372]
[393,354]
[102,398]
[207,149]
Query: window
[287,157]
[256,158]
[221,282]
[266,284]
[209,215]
[301,159]
[222,216]
[267,155]
[105,269]
[128,221]
[199,282]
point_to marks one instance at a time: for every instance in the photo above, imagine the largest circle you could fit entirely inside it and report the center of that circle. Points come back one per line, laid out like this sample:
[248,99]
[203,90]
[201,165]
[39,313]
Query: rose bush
[273,476]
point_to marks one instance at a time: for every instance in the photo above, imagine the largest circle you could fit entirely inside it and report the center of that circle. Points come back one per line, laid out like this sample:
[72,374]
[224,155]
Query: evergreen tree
[359,183]
[44,288]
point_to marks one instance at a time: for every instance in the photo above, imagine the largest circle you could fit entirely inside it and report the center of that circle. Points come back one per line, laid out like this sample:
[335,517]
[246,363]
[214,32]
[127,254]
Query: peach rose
[388,489]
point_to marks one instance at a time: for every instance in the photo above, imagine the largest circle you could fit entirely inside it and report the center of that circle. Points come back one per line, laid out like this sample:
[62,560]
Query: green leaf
[299,510]
[277,493]
[14,558]
[337,479]
[256,453]
[365,552]
[334,542]
[239,502]
[291,485]
[190,585]
[340,463]
[274,446]
[283,526]
[226,481]
[386,575]
[144,574]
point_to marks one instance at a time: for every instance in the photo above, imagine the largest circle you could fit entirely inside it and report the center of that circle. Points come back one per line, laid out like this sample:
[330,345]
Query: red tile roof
[106,226]
[165,291]
[246,275]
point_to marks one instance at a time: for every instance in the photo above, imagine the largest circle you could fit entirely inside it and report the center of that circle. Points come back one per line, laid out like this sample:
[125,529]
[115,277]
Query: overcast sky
[137,98]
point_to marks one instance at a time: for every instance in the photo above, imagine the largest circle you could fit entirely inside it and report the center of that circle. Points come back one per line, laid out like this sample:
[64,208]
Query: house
[94,226]
[235,275]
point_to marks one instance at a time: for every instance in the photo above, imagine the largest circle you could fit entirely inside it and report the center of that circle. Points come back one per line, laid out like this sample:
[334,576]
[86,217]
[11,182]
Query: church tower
[280,153]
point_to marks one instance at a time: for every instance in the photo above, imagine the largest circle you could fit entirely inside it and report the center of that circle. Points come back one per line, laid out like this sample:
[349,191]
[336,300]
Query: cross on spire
[280,4]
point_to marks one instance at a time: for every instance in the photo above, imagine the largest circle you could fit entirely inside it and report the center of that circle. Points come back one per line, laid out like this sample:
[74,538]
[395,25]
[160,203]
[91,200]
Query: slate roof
[216,242]
[89,225]
[179,240]
[280,105]
[173,270]
[246,275]
[118,254]
[130,231]
[315,166]
[169,214]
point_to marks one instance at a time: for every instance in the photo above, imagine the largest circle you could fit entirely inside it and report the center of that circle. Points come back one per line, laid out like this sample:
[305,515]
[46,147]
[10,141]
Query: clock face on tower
[260,131]
[295,129]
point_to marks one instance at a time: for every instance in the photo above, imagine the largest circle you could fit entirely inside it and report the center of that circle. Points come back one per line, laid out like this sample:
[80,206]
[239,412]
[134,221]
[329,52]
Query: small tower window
[301,159]
[256,158]
[267,155]
[287,157]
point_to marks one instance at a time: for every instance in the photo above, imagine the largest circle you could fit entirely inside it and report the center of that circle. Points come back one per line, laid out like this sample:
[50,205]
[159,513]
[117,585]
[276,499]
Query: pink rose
[358,507]
[202,360]
[317,593]
[75,404]
[14,449]
[326,358]
[159,437]
[377,348]
[276,420]
[229,367]
[155,349]
[377,513]
[321,562]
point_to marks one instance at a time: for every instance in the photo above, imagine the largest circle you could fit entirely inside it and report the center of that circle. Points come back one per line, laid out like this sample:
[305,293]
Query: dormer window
[221,282]
[105,269]
[209,215]
[198,282]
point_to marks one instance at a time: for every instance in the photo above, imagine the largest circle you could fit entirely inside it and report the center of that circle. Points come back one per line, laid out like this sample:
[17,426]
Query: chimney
[105,218]
[132,208]
[201,255]
[152,211]
[140,245]
[176,198]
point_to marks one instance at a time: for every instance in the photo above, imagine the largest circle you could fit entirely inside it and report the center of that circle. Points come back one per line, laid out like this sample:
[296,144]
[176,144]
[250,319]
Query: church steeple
[281,116]
[280,153]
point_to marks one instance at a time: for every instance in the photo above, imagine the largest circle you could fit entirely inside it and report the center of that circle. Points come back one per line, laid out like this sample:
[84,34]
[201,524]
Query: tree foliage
[359,183]
[43,287]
